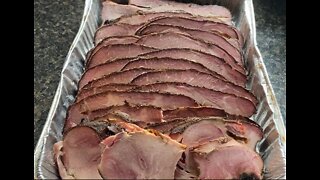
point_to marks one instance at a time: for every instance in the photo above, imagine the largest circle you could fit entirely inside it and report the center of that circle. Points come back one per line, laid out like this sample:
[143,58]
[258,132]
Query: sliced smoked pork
[141,62]
[197,10]
[110,52]
[79,155]
[246,132]
[133,114]
[166,40]
[121,77]
[210,37]
[110,30]
[111,12]
[232,104]
[191,23]
[168,63]
[151,156]
[194,78]
[213,63]
[142,18]
[243,130]
[112,40]
[117,98]
[101,70]
[145,113]
[83,93]
[187,112]
[225,158]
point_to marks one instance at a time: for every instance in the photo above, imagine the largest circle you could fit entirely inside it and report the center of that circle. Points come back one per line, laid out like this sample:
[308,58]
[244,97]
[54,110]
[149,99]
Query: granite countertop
[56,24]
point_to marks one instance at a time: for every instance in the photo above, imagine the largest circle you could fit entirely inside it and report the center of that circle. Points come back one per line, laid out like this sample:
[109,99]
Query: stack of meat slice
[163,96]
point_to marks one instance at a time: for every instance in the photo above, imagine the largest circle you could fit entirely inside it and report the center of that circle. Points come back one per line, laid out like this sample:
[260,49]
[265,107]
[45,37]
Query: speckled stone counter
[56,24]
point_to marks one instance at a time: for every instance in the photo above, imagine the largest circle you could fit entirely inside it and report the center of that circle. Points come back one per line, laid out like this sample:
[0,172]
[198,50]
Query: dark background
[56,23]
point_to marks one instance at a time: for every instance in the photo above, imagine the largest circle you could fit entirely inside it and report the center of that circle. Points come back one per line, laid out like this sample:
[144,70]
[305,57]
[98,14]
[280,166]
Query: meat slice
[148,63]
[126,26]
[110,30]
[118,13]
[196,131]
[110,52]
[187,112]
[232,104]
[112,98]
[57,152]
[210,37]
[103,128]
[155,115]
[118,98]
[111,11]
[208,130]
[142,18]
[193,136]
[115,117]
[135,113]
[194,78]
[179,40]
[112,40]
[168,63]
[201,130]
[198,10]
[80,154]
[151,156]
[226,158]
[191,23]
[101,70]
[122,77]
[213,63]
[83,93]
[141,115]
[244,130]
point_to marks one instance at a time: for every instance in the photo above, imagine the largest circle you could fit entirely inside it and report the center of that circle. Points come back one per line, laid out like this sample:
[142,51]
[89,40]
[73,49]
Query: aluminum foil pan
[273,146]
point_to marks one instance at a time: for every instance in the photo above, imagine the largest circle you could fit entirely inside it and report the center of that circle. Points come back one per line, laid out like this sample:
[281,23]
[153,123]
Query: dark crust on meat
[138,88]
[143,58]
[89,84]
[109,108]
[199,40]
[101,127]
[171,49]
[197,51]
[81,126]
[133,91]
[193,110]
[195,71]
[142,46]
[176,59]
[81,91]
[223,38]
[239,35]
[186,122]
[102,27]
[171,14]
[105,39]
[103,64]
